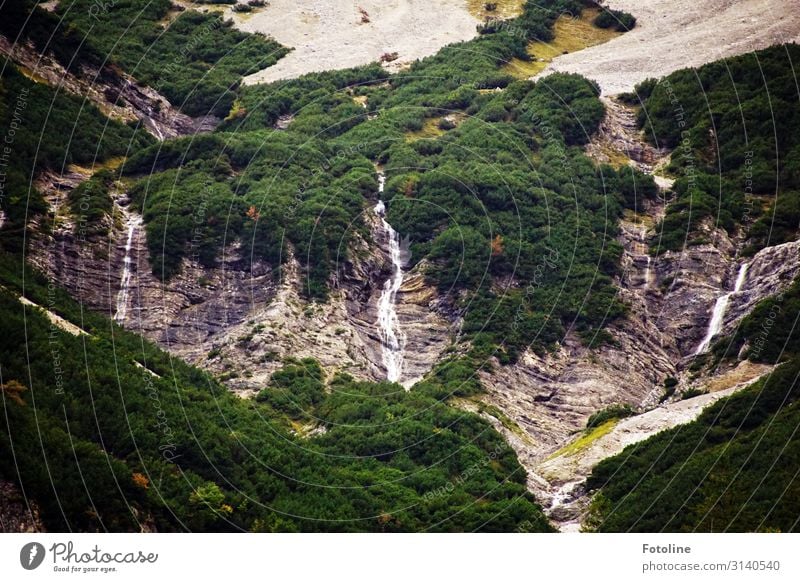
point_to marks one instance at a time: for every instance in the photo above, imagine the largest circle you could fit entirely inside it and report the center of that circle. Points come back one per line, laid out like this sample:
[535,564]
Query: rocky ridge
[116,94]
[542,403]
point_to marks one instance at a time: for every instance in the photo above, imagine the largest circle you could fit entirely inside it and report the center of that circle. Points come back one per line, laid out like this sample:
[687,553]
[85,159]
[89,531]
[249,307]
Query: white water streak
[134,222]
[720,307]
[392,337]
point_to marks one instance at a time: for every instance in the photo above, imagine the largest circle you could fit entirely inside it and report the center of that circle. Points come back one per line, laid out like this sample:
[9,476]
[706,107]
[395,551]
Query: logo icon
[31,555]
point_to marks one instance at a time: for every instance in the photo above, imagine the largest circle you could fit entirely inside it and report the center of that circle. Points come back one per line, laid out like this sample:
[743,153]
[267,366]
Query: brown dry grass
[505,9]
[746,371]
[571,35]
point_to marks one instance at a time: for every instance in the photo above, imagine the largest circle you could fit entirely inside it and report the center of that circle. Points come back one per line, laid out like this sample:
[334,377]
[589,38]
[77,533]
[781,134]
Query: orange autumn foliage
[497,246]
[140,480]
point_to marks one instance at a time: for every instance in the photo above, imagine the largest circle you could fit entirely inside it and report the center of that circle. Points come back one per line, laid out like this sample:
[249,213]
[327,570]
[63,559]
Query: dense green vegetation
[735,126]
[505,194]
[106,431]
[45,129]
[194,59]
[616,19]
[197,61]
[91,202]
[615,411]
[733,469]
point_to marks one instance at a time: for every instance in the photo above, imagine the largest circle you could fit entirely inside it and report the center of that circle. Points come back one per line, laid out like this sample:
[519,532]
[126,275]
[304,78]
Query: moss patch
[431,127]
[586,439]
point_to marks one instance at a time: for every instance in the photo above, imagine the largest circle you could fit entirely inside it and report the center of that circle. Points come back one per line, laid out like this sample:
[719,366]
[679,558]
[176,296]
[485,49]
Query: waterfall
[720,307]
[392,338]
[133,223]
[647,273]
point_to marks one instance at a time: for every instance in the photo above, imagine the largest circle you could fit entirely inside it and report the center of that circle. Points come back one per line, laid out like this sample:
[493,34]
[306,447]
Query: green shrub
[616,19]
[615,411]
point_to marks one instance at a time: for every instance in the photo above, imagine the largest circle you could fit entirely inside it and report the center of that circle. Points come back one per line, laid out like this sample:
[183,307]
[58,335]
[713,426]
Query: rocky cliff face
[240,319]
[182,314]
[342,332]
[116,94]
[544,402]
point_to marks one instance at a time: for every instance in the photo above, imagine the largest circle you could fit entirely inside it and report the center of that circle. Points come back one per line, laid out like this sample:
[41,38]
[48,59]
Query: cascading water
[720,307]
[392,338]
[124,287]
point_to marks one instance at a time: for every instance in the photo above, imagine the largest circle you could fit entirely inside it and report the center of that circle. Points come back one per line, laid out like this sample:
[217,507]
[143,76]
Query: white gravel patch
[675,34]
[329,34]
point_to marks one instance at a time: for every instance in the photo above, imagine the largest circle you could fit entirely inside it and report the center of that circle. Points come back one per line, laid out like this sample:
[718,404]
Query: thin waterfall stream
[134,221]
[392,337]
[720,307]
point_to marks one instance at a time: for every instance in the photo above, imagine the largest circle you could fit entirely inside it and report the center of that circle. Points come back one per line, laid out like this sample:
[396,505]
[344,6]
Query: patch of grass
[434,127]
[430,130]
[571,35]
[692,393]
[634,217]
[504,420]
[616,158]
[586,439]
[615,411]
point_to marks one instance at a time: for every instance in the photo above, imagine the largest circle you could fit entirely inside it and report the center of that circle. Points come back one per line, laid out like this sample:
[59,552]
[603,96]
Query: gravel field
[674,34]
[330,34]
[670,34]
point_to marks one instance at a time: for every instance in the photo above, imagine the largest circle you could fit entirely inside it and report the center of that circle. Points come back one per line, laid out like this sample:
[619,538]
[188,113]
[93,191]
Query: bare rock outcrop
[769,272]
[115,93]
[566,469]
[240,318]
[549,398]
[183,314]
[426,323]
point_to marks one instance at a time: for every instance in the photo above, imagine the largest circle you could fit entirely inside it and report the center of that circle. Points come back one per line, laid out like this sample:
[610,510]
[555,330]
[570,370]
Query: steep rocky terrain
[115,93]
[565,469]
[545,401]
[241,318]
